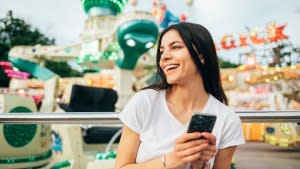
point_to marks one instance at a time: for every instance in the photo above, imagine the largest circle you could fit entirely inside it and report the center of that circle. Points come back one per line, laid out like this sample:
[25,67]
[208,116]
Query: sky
[64,20]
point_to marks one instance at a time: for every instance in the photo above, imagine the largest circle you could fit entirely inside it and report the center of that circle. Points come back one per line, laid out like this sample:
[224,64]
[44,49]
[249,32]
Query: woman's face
[176,61]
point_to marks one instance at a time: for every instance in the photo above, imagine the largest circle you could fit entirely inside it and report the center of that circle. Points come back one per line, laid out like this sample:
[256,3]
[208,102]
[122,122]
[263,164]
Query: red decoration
[255,39]
[7,67]
[274,34]
[228,39]
[182,18]
[243,40]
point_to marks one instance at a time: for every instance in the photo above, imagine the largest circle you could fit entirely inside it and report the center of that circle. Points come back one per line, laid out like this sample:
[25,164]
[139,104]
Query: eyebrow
[170,44]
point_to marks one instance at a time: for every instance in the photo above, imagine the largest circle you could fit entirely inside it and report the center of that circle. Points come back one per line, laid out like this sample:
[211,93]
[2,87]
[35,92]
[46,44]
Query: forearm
[198,164]
[155,163]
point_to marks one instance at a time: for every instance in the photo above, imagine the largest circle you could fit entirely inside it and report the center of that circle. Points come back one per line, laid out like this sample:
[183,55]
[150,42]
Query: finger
[208,153]
[191,151]
[190,144]
[191,158]
[205,158]
[211,148]
[187,137]
[210,137]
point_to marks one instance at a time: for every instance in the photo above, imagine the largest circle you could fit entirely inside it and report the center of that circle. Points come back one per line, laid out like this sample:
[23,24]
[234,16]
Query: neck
[191,96]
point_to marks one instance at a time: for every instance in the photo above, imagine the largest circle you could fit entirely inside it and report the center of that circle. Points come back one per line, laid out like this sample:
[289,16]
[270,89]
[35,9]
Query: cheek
[191,67]
[161,63]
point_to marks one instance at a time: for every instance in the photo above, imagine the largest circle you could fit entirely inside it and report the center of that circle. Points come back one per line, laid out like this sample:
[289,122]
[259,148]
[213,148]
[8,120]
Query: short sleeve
[134,112]
[232,133]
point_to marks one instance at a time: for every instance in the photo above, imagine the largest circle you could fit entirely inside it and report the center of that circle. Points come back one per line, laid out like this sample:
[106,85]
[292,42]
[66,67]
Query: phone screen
[202,122]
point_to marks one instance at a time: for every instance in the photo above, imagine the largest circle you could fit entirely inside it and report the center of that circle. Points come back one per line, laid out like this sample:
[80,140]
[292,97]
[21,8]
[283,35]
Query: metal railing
[111,118]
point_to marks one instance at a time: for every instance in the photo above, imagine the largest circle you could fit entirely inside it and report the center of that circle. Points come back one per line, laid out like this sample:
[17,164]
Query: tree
[62,69]
[4,81]
[15,31]
[227,64]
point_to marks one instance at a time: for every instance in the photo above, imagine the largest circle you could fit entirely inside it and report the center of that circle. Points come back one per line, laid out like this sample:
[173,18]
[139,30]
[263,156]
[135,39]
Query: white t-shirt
[148,115]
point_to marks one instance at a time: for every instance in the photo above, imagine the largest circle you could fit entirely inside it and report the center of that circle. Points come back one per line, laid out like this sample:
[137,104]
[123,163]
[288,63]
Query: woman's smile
[170,68]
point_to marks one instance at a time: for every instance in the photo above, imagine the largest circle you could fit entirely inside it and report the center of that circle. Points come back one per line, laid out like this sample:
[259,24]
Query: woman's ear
[200,55]
[202,60]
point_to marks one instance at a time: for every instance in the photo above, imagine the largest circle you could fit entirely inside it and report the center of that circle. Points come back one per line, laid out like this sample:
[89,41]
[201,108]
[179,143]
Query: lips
[170,67]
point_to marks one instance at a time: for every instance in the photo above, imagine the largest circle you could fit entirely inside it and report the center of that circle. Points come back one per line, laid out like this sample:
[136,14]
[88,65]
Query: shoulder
[148,95]
[137,111]
[223,110]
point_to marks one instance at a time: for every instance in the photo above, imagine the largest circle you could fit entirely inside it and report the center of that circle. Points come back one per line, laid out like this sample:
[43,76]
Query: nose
[165,55]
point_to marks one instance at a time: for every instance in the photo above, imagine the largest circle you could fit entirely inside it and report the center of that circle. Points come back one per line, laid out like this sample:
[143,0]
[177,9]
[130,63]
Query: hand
[208,153]
[188,148]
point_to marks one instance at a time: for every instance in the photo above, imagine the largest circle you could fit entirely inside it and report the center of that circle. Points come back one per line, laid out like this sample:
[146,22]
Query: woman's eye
[161,52]
[176,47]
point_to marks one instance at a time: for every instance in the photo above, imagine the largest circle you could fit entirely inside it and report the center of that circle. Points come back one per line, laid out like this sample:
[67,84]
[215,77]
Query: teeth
[171,66]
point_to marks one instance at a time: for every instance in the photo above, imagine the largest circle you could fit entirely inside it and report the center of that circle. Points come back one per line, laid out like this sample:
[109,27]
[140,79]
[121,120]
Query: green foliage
[62,69]
[15,31]
[4,81]
[227,64]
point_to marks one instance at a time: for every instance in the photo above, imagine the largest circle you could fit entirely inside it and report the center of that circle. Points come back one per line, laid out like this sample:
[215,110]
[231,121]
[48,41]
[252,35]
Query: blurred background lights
[130,42]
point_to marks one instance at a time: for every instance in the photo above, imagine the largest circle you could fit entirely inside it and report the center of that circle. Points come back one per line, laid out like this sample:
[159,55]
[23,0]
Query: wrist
[198,164]
[163,161]
[167,161]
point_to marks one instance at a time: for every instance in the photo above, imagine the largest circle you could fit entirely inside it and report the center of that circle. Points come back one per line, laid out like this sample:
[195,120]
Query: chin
[171,81]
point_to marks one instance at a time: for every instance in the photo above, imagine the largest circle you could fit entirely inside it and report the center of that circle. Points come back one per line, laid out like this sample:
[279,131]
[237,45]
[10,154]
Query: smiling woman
[175,61]
[156,119]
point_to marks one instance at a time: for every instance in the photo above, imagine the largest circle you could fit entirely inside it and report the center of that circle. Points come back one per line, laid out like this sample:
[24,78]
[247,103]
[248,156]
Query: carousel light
[130,42]
[251,59]
[21,92]
[293,67]
[264,67]
[89,82]
[230,78]
[278,69]
[58,100]
[149,45]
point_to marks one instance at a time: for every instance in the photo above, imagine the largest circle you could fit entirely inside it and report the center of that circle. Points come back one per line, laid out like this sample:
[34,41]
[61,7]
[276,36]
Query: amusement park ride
[132,34]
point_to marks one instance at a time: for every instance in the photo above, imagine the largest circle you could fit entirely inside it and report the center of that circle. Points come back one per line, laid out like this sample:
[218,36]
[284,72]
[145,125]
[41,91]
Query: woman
[156,118]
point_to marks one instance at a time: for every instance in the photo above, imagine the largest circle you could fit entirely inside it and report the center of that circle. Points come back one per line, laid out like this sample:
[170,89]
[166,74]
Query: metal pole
[111,118]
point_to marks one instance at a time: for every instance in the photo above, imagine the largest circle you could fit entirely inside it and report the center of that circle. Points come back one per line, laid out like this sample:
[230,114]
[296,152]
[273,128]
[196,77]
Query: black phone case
[202,123]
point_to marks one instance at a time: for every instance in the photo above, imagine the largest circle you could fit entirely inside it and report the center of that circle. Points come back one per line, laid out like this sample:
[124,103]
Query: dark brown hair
[198,40]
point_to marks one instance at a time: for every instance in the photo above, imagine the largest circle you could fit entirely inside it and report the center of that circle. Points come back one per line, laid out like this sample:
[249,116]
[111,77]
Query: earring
[202,60]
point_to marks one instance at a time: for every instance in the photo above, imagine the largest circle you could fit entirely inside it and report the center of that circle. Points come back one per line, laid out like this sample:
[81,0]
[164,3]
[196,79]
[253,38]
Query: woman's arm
[224,157]
[184,152]
[127,152]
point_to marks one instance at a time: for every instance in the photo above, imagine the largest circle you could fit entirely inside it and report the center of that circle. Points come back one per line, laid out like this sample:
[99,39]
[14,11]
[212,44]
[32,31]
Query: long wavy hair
[195,37]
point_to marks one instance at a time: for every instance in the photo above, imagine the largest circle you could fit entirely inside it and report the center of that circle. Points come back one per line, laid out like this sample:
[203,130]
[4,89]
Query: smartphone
[202,122]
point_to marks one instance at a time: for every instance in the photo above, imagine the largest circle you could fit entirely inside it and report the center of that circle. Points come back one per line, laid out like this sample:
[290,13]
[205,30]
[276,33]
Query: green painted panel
[19,135]
[34,69]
